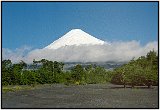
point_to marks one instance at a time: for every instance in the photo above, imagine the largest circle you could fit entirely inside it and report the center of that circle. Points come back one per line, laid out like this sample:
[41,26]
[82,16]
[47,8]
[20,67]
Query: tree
[28,77]
[6,72]
[17,71]
[118,77]
[78,73]
[143,71]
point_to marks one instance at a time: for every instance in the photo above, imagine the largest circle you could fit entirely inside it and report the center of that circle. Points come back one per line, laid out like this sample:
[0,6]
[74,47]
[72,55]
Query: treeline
[51,72]
[143,71]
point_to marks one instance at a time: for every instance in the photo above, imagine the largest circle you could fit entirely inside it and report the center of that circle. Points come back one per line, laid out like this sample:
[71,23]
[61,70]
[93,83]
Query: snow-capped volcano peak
[75,37]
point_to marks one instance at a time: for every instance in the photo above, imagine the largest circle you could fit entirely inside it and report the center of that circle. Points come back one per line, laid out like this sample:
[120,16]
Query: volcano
[75,37]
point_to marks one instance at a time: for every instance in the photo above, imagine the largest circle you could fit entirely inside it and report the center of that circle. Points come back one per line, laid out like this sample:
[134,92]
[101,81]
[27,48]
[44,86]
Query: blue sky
[37,24]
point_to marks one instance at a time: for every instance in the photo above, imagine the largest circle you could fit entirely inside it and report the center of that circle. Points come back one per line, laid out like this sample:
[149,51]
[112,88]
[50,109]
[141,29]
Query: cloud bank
[15,55]
[117,51]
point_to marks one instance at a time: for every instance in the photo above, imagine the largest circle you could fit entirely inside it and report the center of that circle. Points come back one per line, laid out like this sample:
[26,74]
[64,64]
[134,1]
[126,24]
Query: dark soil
[82,96]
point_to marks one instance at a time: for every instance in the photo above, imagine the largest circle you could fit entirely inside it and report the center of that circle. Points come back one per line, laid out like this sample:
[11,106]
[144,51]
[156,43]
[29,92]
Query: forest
[137,72]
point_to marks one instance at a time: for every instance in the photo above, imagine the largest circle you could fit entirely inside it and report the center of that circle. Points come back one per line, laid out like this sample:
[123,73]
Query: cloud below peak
[117,51]
[15,55]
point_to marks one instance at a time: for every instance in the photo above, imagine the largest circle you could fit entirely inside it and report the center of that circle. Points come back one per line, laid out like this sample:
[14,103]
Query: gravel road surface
[82,96]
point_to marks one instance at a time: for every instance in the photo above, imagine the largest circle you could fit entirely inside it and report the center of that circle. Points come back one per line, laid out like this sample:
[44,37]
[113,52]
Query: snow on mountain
[75,37]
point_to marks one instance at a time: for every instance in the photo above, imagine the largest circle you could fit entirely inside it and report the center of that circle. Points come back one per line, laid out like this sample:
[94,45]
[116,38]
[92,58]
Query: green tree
[6,72]
[78,73]
[17,72]
[143,71]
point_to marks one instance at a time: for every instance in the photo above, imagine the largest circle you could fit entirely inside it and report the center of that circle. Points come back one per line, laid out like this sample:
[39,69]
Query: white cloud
[15,55]
[117,51]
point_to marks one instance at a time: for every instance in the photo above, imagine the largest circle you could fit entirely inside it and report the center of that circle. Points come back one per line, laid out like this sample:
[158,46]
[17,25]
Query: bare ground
[82,96]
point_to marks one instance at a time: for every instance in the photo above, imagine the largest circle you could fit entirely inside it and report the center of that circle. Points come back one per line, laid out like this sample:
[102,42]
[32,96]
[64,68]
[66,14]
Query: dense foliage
[45,71]
[17,74]
[143,71]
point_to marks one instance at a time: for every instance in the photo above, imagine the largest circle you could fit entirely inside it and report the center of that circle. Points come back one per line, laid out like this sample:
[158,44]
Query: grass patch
[13,88]
[16,88]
